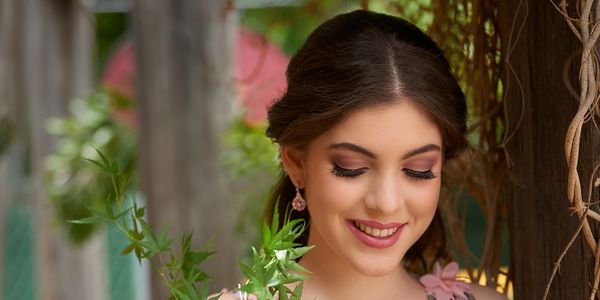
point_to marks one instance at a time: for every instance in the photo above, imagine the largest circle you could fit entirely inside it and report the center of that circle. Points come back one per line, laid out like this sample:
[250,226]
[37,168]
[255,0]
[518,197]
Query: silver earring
[299,204]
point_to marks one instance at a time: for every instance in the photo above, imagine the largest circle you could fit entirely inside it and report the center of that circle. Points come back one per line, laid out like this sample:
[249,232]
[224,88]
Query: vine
[583,20]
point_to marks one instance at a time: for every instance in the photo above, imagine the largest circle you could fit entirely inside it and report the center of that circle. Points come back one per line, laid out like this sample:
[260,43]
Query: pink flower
[443,283]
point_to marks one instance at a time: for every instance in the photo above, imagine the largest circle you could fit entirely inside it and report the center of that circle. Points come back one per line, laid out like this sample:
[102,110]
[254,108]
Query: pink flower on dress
[444,285]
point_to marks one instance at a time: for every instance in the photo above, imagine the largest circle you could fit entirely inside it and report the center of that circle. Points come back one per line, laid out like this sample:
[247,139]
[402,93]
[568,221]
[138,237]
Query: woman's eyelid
[351,163]
[421,169]
[421,164]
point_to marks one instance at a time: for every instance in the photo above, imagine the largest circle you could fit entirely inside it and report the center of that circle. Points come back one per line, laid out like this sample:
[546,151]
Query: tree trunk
[6,93]
[185,87]
[46,57]
[540,221]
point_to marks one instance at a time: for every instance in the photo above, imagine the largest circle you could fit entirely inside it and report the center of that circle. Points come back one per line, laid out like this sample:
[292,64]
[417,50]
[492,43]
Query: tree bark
[46,57]
[185,87]
[6,92]
[539,110]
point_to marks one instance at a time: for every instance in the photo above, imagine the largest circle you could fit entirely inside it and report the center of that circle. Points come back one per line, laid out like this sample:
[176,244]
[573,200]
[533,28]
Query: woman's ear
[293,164]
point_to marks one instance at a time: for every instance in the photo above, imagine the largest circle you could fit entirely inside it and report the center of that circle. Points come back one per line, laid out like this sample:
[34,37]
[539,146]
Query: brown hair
[357,60]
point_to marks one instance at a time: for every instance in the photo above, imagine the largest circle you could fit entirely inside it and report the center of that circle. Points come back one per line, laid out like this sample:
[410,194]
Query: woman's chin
[376,268]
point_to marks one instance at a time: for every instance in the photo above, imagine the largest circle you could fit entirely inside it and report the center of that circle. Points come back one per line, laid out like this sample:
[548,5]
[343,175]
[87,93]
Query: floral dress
[443,284]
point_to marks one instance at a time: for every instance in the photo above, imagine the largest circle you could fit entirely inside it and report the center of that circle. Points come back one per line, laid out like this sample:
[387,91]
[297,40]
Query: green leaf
[99,165]
[297,294]
[139,212]
[195,258]
[283,292]
[249,273]
[135,235]
[178,293]
[275,221]
[150,240]
[110,165]
[163,241]
[298,252]
[88,220]
[298,268]
[266,233]
[108,210]
[190,290]
[123,213]
[203,293]
[129,248]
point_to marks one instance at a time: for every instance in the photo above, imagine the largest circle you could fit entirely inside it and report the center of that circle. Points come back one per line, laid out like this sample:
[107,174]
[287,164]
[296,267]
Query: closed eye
[419,175]
[351,173]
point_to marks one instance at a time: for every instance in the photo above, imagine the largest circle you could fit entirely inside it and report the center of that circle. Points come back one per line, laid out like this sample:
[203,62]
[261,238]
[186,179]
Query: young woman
[370,117]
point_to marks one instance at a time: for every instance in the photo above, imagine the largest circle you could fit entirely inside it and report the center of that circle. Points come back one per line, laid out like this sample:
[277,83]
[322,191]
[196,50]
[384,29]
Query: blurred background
[176,93]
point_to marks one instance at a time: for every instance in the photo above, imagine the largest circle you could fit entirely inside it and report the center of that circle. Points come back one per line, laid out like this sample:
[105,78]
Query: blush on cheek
[331,192]
[423,202]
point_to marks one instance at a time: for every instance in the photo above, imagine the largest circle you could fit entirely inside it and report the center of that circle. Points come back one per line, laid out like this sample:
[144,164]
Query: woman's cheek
[423,200]
[333,192]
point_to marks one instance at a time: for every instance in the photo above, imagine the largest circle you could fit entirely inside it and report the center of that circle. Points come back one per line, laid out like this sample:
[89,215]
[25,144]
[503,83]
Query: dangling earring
[299,204]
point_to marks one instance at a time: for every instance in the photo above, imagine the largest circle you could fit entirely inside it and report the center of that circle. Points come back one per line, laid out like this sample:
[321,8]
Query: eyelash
[418,175]
[351,173]
[343,172]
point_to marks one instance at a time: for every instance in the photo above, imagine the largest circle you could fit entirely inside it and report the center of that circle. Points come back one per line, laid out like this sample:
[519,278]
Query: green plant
[252,161]
[180,273]
[74,185]
[273,265]
[272,262]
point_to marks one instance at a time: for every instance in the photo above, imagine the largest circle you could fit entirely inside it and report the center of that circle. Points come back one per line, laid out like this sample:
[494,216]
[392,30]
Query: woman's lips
[388,233]
[376,224]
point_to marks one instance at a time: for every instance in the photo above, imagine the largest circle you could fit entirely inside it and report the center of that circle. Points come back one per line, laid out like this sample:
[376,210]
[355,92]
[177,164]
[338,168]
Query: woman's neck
[333,278]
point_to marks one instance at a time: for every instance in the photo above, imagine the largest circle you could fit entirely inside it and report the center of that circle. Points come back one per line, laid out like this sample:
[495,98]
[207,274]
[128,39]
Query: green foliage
[109,28]
[250,151]
[274,264]
[181,273]
[73,184]
[252,160]
[289,27]
[286,26]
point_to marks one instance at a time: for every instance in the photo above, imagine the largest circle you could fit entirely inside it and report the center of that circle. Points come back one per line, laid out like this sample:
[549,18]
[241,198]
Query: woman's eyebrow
[359,149]
[352,147]
[423,149]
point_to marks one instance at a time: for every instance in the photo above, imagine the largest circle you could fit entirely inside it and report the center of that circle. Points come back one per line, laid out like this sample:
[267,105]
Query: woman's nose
[385,196]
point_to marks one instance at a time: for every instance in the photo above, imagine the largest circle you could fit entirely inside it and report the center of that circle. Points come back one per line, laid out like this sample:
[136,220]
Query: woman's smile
[375,235]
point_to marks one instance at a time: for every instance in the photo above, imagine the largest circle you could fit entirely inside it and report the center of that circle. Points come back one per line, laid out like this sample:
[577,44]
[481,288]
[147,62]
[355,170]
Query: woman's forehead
[400,125]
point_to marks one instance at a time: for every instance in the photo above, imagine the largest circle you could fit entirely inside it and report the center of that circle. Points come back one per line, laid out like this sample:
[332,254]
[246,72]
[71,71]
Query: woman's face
[371,184]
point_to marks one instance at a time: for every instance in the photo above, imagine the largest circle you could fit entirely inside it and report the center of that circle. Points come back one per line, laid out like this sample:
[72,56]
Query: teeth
[376,232]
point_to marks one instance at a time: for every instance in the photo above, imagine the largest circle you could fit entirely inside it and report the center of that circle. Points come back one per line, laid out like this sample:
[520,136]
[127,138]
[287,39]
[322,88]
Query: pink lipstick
[375,234]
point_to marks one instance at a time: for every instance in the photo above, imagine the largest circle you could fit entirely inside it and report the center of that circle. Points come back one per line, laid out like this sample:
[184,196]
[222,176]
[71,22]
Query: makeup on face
[419,165]
[372,186]
[375,234]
